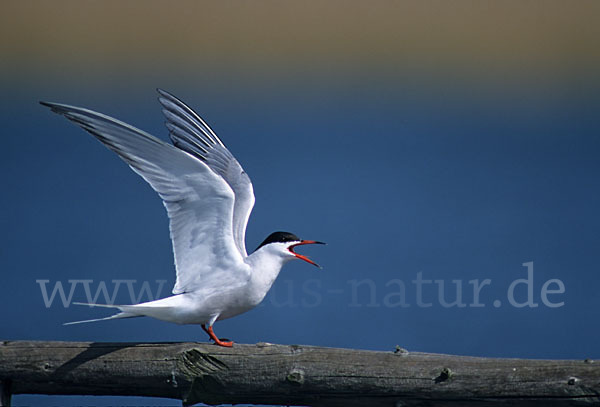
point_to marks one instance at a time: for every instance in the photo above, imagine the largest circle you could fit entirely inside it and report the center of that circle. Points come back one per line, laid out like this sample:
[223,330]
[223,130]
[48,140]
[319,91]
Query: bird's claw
[226,344]
[221,342]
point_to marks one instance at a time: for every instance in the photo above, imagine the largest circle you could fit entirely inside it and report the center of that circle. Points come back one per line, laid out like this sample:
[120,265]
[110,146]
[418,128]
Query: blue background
[457,141]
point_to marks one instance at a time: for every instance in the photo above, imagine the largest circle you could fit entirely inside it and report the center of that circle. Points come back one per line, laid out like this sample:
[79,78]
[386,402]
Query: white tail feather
[116,316]
[97,305]
[121,314]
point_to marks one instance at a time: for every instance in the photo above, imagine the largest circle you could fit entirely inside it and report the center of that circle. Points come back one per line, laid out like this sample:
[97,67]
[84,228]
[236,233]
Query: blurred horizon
[494,42]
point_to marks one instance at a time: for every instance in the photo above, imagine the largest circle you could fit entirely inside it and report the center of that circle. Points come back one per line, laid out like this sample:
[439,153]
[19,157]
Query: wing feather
[190,133]
[199,202]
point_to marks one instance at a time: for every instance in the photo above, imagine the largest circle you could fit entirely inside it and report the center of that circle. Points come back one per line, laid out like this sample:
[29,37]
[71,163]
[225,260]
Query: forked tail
[122,314]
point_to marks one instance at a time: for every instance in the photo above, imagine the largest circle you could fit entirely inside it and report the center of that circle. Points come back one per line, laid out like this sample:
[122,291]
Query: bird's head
[284,244]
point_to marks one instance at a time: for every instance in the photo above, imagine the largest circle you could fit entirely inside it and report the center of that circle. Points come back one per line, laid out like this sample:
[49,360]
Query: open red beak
[301,256]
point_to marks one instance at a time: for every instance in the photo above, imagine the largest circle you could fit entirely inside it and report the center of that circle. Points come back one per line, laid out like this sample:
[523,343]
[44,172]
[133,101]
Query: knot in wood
[263,344]
[400,350]
[296,377]
[445,374]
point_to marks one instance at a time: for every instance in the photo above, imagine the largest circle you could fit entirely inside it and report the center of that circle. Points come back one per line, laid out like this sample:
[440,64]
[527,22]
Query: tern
[208,197]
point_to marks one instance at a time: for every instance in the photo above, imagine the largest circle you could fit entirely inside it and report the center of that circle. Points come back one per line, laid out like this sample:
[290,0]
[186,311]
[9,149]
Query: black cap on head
[279,237]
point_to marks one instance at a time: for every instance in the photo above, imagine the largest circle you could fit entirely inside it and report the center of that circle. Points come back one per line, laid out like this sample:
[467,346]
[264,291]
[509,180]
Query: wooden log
[293,374]
[5,393]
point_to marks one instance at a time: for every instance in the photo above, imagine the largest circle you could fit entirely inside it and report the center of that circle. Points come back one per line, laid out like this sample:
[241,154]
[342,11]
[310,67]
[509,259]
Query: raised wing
[190,133]
[199,202]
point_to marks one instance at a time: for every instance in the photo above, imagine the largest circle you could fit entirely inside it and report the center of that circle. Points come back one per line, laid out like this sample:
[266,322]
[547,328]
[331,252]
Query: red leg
[212,335]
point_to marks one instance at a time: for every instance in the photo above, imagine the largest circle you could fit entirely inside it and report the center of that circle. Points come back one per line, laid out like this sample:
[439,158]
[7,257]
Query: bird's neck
[266,266]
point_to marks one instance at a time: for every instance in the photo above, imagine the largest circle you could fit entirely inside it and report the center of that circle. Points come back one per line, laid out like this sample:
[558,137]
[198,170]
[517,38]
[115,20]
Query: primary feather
[207,194]
[191,134]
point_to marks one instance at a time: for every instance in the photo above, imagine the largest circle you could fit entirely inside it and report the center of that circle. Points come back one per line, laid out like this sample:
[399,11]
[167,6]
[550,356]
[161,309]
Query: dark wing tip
[48,104]
[165,94]
[54,107]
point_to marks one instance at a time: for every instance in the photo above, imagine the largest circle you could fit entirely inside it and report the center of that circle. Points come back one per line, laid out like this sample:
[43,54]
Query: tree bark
[4,393]
[292,374]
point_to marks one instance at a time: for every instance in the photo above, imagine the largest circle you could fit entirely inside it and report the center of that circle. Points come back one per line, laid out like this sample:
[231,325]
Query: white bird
[208,198]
